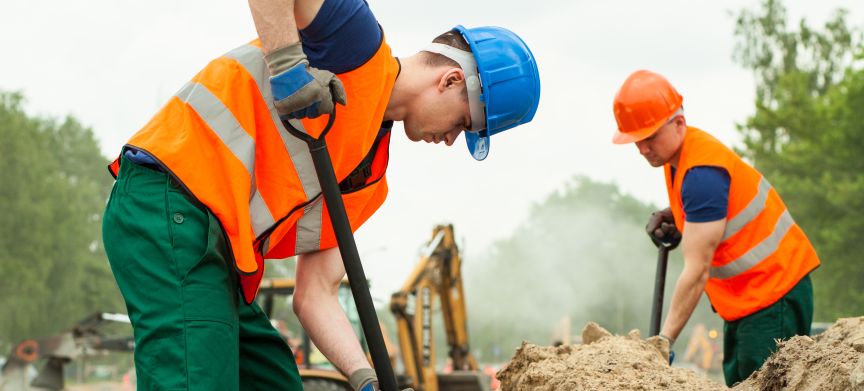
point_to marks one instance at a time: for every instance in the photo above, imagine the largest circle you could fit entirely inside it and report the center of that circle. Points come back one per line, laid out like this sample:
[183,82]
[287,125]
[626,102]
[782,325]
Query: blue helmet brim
[478,144]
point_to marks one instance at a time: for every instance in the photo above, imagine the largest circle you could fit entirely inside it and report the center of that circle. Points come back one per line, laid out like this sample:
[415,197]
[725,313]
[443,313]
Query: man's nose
[643,147]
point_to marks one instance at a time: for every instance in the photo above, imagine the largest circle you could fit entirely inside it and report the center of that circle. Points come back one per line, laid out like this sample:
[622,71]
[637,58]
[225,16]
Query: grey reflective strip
[309,227]
[260,214]
[221,121]
[252,59]
[757,254]
[756,205]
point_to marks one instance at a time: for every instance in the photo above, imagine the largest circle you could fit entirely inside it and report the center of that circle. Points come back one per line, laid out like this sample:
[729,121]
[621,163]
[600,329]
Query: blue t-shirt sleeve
[705,194]
[342,37]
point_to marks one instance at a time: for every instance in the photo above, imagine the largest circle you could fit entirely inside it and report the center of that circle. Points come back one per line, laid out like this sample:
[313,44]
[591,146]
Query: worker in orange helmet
[741,245]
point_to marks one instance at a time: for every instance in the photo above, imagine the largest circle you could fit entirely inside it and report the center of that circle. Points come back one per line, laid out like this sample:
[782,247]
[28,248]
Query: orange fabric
[770,279]
[185,145]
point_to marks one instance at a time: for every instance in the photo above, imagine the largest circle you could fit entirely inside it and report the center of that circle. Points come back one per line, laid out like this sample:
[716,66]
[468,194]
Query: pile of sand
[603,362]
[833,360]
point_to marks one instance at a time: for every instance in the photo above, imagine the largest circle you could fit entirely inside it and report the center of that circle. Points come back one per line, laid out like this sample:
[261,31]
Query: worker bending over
[213,184]
[741,245]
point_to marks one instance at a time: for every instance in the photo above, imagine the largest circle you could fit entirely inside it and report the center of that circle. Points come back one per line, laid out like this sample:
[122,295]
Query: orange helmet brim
[632,137]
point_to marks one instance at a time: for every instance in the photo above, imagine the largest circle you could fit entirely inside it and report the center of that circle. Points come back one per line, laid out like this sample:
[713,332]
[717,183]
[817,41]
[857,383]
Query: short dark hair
[451,38]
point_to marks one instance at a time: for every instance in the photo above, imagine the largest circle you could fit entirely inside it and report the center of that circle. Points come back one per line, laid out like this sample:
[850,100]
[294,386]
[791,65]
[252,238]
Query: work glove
[661,229]
[364,379]
[300,91]
[663,344]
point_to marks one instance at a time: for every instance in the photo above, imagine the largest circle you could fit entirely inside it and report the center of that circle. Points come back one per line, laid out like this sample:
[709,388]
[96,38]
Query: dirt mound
[833,360]
[603,362]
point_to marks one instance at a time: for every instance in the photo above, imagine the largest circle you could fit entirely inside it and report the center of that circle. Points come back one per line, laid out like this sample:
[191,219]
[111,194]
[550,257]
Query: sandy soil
[602,362]
[831,361]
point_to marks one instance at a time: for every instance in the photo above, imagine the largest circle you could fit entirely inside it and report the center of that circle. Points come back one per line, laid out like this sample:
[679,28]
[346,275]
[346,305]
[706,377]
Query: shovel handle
[348,249]
[659,285]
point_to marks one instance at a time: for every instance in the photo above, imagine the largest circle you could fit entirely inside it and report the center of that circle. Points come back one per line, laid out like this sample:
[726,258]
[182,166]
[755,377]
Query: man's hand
[364,379]
[300,91]
[661,229]
[663,345]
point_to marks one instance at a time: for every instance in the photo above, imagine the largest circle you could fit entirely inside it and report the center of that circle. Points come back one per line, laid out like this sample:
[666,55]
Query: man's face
[663,146]
[441,112]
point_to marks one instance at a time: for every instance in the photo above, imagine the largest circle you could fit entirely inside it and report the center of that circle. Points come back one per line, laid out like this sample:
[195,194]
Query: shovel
[348,248]
[664,246]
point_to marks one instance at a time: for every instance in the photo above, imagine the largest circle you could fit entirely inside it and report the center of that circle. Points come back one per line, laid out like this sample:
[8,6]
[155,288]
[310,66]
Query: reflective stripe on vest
[758,253]
[309,227]
[749,212]
[252,59]
[222,122]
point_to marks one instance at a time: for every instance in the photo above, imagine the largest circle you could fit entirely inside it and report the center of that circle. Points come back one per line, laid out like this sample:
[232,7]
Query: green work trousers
[171,262]
[749,341]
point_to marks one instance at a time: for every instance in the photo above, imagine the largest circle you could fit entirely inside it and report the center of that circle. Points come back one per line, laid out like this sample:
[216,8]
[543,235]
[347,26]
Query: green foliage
[807,138]
[51,202]
[582,253]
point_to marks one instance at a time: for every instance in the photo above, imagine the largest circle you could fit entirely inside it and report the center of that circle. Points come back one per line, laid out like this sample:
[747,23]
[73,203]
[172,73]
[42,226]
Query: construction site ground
[833,360]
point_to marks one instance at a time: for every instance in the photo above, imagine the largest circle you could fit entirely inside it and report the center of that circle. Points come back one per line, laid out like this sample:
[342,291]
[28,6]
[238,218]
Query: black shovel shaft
[659,285]
[353,267]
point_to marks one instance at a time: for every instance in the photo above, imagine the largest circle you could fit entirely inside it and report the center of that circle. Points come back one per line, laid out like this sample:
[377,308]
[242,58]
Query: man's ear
[680,125]
[453,77]
[681,122]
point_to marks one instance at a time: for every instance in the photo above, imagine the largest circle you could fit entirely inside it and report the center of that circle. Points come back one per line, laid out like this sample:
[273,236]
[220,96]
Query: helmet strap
[472,81]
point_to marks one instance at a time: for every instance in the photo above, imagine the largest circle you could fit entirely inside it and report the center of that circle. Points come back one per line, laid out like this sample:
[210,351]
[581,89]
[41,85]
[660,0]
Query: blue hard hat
[510,82]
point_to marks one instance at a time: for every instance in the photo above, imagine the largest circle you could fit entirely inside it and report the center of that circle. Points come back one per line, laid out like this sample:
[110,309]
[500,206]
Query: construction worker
[741,245]
[213,184]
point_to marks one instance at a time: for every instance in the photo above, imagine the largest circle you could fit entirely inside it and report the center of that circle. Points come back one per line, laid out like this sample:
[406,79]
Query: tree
[807,137]
[54,187]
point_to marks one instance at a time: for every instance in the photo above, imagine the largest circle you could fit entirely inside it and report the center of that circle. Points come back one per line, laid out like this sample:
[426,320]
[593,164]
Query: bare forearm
[330,330]
[699,242]
[316,303]
[275,23]
[688,290]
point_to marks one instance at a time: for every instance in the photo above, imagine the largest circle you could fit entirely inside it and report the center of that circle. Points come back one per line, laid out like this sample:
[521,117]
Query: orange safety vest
[763,252]
[222,138]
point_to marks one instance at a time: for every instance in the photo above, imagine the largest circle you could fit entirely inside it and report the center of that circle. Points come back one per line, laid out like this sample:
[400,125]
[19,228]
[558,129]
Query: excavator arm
[438,275]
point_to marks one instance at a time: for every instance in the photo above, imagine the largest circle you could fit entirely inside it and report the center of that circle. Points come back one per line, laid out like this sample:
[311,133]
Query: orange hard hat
[644,103]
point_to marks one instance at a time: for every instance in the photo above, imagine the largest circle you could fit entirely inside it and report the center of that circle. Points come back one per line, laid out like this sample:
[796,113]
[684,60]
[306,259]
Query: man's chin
[411,135]
[655,163]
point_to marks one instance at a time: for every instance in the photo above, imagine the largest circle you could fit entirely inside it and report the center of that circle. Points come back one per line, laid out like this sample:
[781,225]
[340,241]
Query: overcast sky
[113,63]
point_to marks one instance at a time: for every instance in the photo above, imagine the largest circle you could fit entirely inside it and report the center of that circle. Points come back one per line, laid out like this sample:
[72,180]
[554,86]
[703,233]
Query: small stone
[593,333]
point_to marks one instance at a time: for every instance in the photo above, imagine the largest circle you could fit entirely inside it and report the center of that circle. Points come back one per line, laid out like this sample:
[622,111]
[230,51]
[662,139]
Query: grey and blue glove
[301,91]
[663,344]
[364,379]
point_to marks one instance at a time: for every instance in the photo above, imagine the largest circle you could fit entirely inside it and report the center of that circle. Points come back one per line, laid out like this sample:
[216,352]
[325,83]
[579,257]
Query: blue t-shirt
[343,36]
[705,194]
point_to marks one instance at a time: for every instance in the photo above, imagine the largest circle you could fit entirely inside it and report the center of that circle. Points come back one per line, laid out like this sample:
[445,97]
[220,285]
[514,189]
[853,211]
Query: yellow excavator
[437,276]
